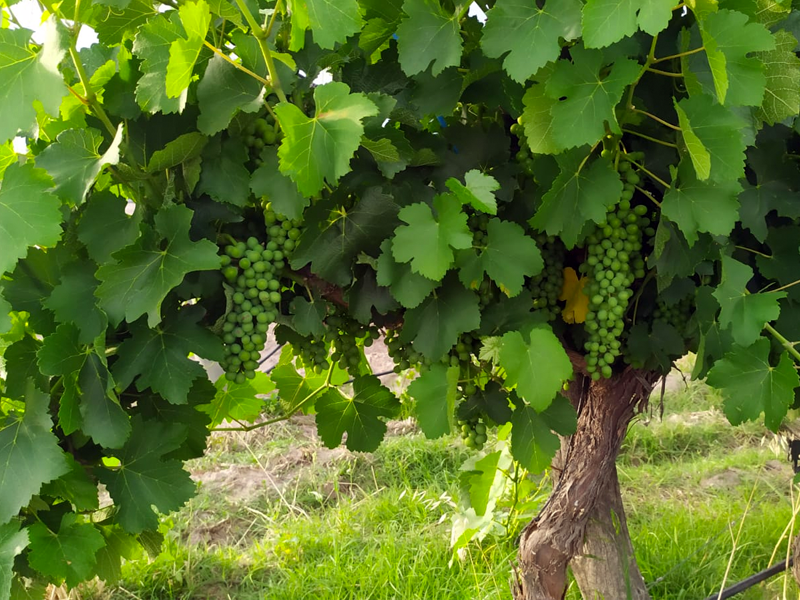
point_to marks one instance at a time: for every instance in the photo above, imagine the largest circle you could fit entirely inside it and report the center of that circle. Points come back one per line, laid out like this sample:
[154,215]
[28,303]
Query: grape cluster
[524,156]
[343,335]
[546,286]
[677,315]
[403,355]
[282,233]
[473,432]
[252,269]
[261,132]
[312,353]
[614,261]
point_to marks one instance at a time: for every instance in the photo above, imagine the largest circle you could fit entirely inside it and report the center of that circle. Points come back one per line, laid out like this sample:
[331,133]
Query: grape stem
[788,346]
[745,248]
[679,55]
[655,118]
[665,73]
[785,287]
[653,176]
[652,139]
[261,37]
[649,196]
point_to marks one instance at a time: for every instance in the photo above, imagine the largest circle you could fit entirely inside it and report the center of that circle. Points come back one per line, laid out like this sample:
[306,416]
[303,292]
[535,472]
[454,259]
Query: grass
[296,522]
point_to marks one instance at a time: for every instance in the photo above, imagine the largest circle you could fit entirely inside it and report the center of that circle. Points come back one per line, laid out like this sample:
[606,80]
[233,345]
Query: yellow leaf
[577,302]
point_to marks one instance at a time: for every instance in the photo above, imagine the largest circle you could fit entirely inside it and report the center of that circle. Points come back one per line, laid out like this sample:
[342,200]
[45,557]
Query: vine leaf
[103,419]
[183,52]
[29,213]
[361,416]
[295,391]
[744,313]
[5,317]
[608,21]
[158,358]
[332,21]
[587,95]
[319,148]
[428,34]
[184,148]
[435,325]
[478,191]
[105,212]
[728,38]
[528,34]
[701,159]
[428,241]
[74,161]
[533,445]
[29,77]
[269,183]
[12,543]
[720,132]
[434,393]
[577,302]
[152,45]
[537,118]
[485,480]
[696,206]
[577,196]
[145,272]
[222,92]
[407,287]
[29,454]
[751,385]
[782,80]
[308,316]
[508,257]
[536,367]
[61,352]
[145,478]
[66,555]
[225,177]
[238,401]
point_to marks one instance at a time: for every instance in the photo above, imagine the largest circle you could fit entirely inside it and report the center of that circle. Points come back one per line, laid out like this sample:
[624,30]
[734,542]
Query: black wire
[270,355]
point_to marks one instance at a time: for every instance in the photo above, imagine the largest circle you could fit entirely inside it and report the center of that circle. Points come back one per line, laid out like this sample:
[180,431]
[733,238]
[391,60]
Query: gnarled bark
[583,521]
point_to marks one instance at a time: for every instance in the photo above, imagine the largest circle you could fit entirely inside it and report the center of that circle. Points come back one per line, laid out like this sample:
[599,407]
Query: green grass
[328,525]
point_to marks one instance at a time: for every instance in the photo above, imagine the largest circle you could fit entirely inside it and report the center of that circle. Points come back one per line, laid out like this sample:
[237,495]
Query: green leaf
[428,34]
[478,191]
[533,445]
[144,272]
[361,416]
[66,555]
[105,212]
[334,238]
[701,159]
[61,352]
[744,313]
[486,480]
[22,368]
[428,241]
[537,118]
[182,149]
[183,52]
[104,420]
[8,156]
[407,287]
[225,177]
[751,385]
[12,543]
[308,317]
[537,368]
[697,206]
[608,21]
[561,417]
[366,297]
[590,93]
[268,182]
[784,255]
[117,25]
[782,76]
[529,35]
[29,213]
[223,91]
[333,21]
[318,149]
[435,325]
[577,196]
[159,358]
[152,46]
[69,413]
[434,393]
[295,391]
[728,38]
[720,132]
[29,77]
[238,401]
[75,486]
[29,454]
[509,256]
[5,318]
[145,478]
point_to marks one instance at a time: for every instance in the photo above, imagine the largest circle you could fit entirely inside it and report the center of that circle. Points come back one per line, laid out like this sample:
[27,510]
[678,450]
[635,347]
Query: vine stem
[679,55]
[655,118]
[753,251]
[274,15]
[649,195]
[261,37]
[650,174]
[785,287]
[91,97]
[665,73]
[789,346]
[13,17]
[650,138]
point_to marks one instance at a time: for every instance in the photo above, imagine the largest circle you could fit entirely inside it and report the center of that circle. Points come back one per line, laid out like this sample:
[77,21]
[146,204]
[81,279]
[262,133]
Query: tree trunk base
[583,522]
